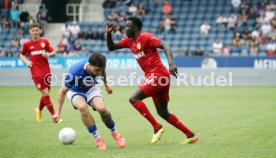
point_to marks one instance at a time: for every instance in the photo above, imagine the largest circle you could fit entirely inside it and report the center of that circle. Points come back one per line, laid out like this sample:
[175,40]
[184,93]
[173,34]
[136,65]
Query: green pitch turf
[232,122]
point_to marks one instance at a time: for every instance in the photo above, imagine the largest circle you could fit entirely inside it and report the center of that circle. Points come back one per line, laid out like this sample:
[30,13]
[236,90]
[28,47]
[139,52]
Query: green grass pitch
[232,122]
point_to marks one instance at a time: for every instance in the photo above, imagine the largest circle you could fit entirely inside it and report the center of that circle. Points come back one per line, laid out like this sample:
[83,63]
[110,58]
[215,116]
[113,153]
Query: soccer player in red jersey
[157,78]
[38,50]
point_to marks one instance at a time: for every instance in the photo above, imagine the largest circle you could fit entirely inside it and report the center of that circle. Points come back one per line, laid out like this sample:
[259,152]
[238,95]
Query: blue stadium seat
[202,42]
[10,36]
[187,29]
[221,36]
[6,43]
[244,54]
[193,42]
[85,29]
[262,54]
[177,3]
[4,31]
[177,43]
[226,55]
[2,37]
[235,54]
[178,36]
[253,54]
[83,43]
[19,37]
[4,12]
[14,49]
[13,31]
[75,36]
[228,41]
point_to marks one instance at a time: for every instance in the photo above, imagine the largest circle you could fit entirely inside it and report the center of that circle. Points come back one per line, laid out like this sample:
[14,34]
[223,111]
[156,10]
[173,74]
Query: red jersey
[34,50]
[144,49]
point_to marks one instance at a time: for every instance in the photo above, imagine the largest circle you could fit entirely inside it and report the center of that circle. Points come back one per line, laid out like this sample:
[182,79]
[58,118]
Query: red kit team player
[38,50]
[157,83]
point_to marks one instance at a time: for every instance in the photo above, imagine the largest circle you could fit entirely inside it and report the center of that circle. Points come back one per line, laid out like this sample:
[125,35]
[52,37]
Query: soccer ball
[67,136]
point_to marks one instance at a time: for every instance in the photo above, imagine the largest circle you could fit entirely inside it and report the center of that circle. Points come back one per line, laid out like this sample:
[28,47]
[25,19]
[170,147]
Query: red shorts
[156,86]
[42,82]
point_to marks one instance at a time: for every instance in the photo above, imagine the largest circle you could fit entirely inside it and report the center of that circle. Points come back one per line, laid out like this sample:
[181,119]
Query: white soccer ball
[67,136]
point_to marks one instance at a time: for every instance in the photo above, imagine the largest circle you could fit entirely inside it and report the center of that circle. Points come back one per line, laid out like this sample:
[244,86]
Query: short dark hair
[136,21]
[98,60]
[34,24]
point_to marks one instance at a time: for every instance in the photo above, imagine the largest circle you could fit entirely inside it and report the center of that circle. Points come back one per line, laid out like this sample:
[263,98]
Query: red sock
[173,120]
[41,104]
[48,104]
[142,108]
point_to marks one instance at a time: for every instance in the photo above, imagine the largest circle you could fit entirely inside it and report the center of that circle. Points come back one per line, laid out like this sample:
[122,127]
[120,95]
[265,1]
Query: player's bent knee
[101,109]
[132,100]
[83,109]
[165,115]
[106,114]
[45,92]
[106,117]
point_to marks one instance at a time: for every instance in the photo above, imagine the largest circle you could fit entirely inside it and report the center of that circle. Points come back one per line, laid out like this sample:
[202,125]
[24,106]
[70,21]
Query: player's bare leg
[162,110]
[136,100]
[88,120]
[98,104]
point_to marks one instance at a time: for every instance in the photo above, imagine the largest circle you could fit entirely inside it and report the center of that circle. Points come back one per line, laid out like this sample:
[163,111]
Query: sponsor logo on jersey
[139,55]
[32,47]
[38,52]
[42,44]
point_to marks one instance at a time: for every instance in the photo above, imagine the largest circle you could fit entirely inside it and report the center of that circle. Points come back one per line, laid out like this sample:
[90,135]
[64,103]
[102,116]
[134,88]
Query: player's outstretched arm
[168,52]
[60,99]
[109,41]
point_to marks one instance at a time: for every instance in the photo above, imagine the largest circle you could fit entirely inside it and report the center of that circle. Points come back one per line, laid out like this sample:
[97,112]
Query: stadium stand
[14,25]
[188,16]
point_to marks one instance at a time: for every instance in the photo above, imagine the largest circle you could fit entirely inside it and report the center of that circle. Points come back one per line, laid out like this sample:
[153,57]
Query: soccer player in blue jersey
[82,89]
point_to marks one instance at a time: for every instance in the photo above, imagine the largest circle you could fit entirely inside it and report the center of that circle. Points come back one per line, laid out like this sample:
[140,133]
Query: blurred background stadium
[202,34]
